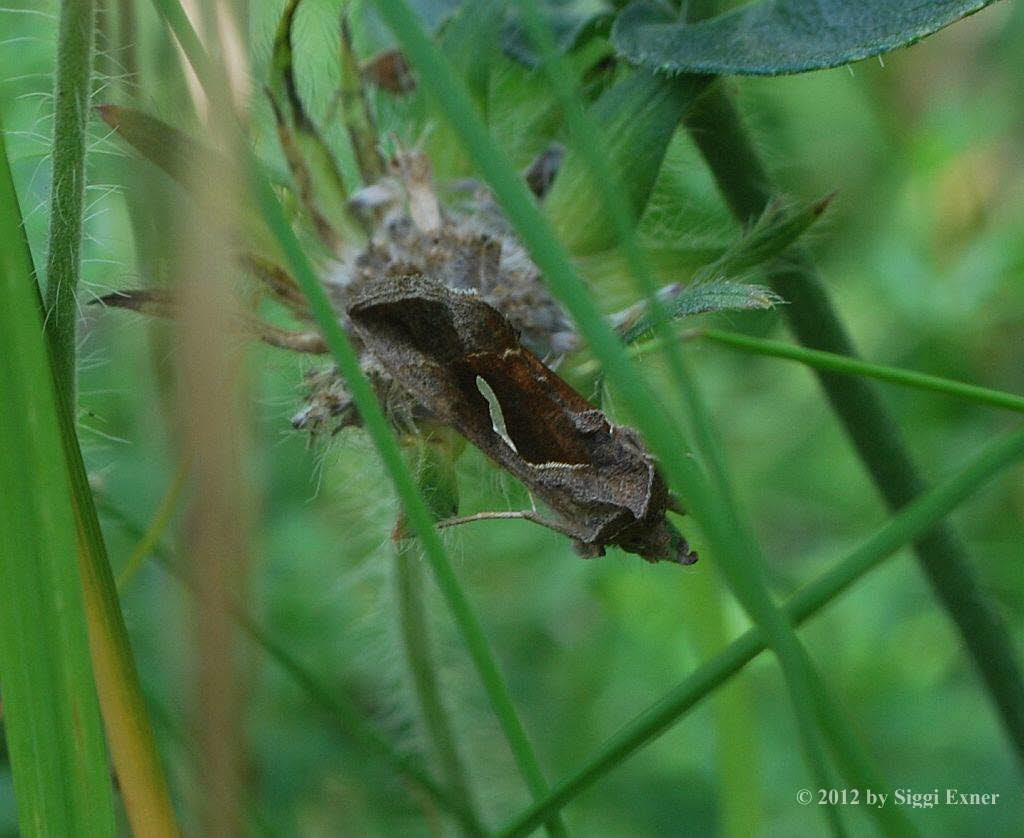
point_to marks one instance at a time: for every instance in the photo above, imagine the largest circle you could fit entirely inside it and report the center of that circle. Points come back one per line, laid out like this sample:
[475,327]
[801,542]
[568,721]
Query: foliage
[365,709]
[776,37]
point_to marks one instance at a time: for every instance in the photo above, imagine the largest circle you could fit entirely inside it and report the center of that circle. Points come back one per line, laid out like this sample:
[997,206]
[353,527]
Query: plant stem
[845,365]
[736,552]
[71,116]
[377,426]
[350,719]
[129,734]
[718,132]
[417,647]
[905,526]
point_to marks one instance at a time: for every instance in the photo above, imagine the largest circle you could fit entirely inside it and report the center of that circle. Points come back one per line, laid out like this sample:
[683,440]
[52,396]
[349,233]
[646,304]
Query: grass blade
[903,528]
[376,424]
[709,499]
[51,713]
[710,492]
[846,365]
[727,148]
[413,504]
[350,719]
[433,464]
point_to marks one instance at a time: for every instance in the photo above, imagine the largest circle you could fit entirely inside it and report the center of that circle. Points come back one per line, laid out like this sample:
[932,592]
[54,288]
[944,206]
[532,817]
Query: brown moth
[448,312]
[462,360]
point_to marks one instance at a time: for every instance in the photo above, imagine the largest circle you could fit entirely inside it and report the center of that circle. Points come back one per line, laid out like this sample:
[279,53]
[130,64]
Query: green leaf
[779,37]
[638,117]
[477,22]
[698,298]
[51,713]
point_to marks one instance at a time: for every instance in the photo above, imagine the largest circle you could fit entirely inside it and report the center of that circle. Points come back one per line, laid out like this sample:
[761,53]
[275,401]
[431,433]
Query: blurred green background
[922,250]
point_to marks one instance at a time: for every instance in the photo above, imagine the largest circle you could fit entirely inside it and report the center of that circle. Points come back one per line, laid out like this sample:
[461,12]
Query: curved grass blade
[351,720]
[380,432]
[846,365]
[778,37]
[903,528]
[433,463]
[710,494]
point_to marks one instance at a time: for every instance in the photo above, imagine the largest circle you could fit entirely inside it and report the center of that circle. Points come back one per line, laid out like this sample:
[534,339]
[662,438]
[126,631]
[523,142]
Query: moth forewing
[441,344]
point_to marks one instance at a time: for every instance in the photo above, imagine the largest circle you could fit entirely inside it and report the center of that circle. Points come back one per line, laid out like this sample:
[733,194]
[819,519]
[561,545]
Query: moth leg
[673,505]
[519,515]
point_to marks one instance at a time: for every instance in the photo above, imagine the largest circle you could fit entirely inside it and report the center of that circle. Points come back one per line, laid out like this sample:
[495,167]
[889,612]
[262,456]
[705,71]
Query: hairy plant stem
[722,139]
[71,116]
[129,734]
[420,661]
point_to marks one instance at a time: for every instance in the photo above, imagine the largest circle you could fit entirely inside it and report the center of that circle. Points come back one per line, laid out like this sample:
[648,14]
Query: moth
[463,361]
[449,314]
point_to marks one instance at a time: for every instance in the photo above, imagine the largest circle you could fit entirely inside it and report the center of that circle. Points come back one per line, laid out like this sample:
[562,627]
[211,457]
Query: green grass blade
[351,721]
[417,648]
[707,498]
[133,750]
[846,365]
[719,133]
[387,446]
[903,528]
[413,504]
[433,463]
[735,549]
[51,713]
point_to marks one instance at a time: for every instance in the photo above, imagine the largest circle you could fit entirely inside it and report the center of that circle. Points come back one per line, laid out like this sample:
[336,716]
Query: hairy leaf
[779,37]
[697,298]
